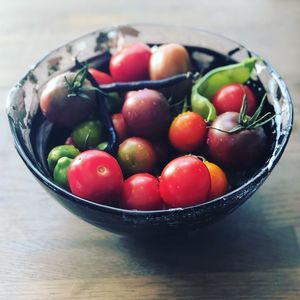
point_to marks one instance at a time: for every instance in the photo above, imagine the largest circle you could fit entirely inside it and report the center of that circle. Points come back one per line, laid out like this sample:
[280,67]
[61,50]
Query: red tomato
[185,181]
[230,98]
[96,175]
[187,132]
[120,126]
[131,63]
[219,183]
[101,77]
[141,191]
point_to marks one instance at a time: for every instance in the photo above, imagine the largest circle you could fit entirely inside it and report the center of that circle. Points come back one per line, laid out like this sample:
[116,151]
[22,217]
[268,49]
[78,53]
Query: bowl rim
[263,172]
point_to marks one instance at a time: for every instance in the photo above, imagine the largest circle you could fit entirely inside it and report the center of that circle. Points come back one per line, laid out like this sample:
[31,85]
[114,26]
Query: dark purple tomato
[237,150]
[136,155]
[146,113]
[62,110]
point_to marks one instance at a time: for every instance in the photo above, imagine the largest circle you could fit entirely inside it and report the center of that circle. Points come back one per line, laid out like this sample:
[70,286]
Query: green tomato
[136,155]
[87,134]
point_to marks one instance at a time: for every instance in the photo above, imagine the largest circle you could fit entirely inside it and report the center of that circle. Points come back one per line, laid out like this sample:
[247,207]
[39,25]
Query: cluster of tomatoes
[159,163]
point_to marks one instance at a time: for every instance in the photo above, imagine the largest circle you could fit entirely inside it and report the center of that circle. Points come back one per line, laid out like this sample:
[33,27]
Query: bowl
[25,122]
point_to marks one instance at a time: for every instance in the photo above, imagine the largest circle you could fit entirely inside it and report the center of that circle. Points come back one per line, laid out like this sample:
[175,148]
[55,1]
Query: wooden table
[47,253]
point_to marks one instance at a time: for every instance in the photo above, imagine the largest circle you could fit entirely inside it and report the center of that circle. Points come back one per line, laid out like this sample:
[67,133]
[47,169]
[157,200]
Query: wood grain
[47,253]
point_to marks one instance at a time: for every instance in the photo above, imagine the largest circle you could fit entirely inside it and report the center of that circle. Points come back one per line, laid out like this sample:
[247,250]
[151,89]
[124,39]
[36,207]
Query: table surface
[47,253]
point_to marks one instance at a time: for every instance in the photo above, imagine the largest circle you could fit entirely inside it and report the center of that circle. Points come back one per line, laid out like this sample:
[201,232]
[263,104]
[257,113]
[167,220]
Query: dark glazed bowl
[23,109]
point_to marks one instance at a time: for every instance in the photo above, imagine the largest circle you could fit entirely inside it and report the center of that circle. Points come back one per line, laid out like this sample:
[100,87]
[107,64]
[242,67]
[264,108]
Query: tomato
[96,175]
[187,132]
[219,183]
[185,181]
[238,150]
[168,60]
[136,155]
[87,134]
[230,98]
[100,77]
[120,126]
[141,191]
[62,110]
[147,113]
[131,63]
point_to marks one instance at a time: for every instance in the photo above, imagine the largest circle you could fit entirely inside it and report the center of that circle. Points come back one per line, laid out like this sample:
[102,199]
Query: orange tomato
[219,183]
[187,132]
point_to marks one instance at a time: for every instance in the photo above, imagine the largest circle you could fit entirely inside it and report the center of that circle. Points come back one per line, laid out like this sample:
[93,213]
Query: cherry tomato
[141,191]
[146,113]
[120,126]
[168,60]
[136,155]
[219,183]
[185,181]
[131,63]
[187,132]
[230,98]
[101,77]
[96,175]
[238,150]
[62,110]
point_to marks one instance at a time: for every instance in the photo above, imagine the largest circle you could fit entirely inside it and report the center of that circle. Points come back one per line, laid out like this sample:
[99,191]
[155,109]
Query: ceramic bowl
[24,118]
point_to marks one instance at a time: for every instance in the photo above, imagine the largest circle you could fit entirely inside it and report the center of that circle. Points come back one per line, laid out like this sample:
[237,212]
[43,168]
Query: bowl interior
[23,114]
